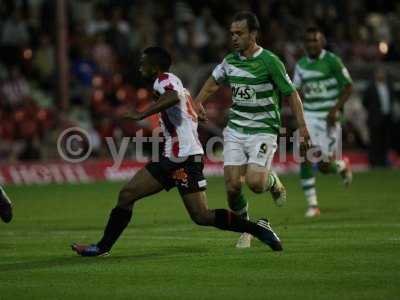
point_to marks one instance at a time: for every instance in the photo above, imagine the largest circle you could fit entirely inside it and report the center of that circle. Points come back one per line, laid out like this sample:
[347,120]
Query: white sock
[309,190]
[340,165]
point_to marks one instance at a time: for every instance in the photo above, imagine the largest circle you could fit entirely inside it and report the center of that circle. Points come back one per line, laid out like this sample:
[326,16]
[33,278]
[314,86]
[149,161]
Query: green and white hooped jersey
[257,83]
[321,81]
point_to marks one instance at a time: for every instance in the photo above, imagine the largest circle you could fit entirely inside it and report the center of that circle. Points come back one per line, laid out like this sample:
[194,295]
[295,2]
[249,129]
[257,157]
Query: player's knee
[233,188]
[256,185]
[199,220]
[125,198]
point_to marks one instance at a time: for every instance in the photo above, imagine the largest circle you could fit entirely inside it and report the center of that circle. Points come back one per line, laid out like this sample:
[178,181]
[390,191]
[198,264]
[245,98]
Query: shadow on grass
[75,260]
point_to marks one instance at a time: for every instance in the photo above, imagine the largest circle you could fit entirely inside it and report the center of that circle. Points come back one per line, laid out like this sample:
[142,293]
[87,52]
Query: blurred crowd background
[104,43]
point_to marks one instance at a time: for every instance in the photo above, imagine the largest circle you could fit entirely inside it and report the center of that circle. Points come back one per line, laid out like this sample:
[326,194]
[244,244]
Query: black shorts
[186,175]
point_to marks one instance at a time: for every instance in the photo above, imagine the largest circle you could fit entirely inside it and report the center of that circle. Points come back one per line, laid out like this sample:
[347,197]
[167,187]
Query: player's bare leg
[196,205]
[259,180]
[234,178]
[140,186]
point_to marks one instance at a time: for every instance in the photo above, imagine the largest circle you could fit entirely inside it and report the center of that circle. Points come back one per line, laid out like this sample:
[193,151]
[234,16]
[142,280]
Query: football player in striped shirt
[180,165]
[325,85]
[258,81]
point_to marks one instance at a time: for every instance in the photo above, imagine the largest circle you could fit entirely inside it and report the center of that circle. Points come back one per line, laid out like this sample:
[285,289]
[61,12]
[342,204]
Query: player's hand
[133,115]
[200,111]
[305,141]
[332,117]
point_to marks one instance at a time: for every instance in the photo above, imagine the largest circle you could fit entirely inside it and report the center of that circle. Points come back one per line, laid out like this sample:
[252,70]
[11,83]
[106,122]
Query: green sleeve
[340,72]
[279,76]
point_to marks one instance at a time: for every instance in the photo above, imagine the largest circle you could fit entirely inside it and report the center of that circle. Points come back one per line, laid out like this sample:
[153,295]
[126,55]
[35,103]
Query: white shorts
[242,149]
[329,141]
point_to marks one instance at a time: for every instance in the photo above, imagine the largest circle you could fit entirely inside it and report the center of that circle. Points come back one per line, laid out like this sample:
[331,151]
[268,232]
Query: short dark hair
[159,57]
[251,19]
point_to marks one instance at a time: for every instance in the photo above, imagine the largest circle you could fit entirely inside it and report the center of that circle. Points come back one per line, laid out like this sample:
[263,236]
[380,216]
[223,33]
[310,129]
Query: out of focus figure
[378,99]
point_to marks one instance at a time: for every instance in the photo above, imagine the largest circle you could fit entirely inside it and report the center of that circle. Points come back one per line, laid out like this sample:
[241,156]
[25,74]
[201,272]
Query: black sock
[226,220]
[119,219]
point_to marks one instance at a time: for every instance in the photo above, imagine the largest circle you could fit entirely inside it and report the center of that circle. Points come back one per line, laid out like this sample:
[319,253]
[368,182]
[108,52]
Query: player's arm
[344,96]
[297,109]
[209,88]
[345,82]
[166,100]
[297,81]
[286,87]
[295,102]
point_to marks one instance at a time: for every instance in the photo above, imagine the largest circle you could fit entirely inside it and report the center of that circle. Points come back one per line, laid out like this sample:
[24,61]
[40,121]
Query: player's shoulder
[169,80]
[267,54]
[331,57]
[329,54]
[269,57]
[230,57]
[302,61]
[166,77]
[162,77]
[159,79]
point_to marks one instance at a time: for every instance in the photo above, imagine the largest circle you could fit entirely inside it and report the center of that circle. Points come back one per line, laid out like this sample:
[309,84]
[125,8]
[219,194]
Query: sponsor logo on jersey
[243,92]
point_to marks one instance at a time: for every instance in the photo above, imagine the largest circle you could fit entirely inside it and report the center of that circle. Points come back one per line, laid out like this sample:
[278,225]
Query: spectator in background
[378,100]
[83,67]
[103,54]
[105,38]
[43,61]
[117,34]
[15,31]
[99,24]
[14,35]
[14,89]
[394,48]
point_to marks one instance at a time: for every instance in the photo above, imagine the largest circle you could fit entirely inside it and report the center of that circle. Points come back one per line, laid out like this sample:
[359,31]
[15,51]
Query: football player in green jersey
[325,85]
[258,79]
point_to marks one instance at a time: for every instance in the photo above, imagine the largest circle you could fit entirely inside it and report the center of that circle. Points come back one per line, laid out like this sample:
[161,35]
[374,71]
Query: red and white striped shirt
[179,122]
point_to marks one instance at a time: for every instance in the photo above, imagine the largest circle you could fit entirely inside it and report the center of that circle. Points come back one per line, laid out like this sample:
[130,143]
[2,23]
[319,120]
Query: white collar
[255,54]
[320,56]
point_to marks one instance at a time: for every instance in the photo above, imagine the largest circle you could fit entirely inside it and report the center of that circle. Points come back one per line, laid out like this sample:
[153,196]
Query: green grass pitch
[351,252]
